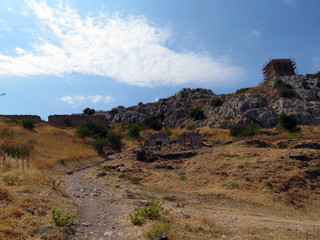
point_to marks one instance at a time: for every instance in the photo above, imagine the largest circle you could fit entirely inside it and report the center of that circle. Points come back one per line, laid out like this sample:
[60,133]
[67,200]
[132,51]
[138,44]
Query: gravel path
[98,209]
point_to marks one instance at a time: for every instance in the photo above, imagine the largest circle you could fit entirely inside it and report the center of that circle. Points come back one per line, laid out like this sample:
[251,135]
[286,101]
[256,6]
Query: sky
[62,56]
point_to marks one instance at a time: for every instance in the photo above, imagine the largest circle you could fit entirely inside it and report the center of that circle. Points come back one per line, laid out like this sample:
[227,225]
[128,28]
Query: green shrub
[157,229]
[93,129]
[60,219]
[197,114]
[215,102]
[114,140]
[284,89]
[89,111]
[153,210]
[16,150]
[99,144]
[315,75]
[242,91]
[134,130]
[191,127]
[28,123]
[288,122]
[168,131]
[244,130]
[182,175]
[140,104]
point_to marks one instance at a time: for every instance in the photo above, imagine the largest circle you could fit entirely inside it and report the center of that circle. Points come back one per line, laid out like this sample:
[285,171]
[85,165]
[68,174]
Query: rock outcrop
[261,105]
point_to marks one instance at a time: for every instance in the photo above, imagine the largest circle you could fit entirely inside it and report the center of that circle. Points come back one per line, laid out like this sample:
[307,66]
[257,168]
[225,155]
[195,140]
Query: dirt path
[98,209]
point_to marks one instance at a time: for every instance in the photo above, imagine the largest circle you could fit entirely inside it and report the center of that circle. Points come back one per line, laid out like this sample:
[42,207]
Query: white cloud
[77,100]
[130,50]
[255,33]
[292,3]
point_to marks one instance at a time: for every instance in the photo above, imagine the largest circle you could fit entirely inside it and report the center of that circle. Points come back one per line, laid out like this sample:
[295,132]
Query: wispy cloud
[255,33]
[78,100]
[291,3]
[131,50]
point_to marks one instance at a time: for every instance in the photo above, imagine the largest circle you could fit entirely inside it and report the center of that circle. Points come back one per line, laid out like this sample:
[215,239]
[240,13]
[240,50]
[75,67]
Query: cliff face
[261,104]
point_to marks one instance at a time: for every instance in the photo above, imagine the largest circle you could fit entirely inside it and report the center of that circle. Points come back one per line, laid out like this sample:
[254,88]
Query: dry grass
[27,196]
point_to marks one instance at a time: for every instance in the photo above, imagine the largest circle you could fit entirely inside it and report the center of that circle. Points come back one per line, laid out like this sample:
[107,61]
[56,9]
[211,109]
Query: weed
[230,185]
[132,180]
[247,179]
[227,154]
[157,229]
[60,219]
[122,175]
[153,210]
[101,174]
[61,161]
[269,184]
[182,175]
[242,91]
[107,168]
[191,127]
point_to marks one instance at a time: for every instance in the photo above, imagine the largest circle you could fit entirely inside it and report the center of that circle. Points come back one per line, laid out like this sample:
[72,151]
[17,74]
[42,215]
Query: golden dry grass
[27,196]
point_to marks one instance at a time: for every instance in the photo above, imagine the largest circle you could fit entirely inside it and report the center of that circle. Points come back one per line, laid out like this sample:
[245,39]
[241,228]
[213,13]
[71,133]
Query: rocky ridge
[261,105]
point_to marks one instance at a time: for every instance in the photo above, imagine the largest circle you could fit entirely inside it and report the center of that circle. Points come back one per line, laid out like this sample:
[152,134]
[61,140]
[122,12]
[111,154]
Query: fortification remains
[191,139]
[157,139]
[20,117]
[73,120]
[278,68]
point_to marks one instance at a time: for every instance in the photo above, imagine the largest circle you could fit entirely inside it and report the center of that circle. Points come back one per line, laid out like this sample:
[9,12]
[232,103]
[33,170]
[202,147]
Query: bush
[154,210]
[140,104]
[60,219]
[197,114]
[134,130]
[284,89]
[114,140]
[16,150]
[93,129]
[89,111]
[157,229]
[288,122]
[99,144]
[168,131]
[28,123]
[215,102]
[244,130]
[315,75]
[242,90]
[151,122]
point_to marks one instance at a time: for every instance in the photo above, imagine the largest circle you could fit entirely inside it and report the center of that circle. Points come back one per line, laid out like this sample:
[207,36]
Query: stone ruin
[190,139]
[157,139]
[187,139]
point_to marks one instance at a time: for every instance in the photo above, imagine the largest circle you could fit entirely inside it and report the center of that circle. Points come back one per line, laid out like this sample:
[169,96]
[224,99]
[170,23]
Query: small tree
[134,130]
[288,122]
[28,123]
[93,129]
[89,111]
[197,114]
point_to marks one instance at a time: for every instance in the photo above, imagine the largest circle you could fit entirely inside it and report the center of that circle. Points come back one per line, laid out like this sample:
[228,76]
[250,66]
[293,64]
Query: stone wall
[157,139]
[73,120]
[191,139]
[20,117]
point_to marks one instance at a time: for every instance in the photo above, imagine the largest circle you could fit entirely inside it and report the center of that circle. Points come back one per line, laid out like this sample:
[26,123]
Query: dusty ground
[244,190]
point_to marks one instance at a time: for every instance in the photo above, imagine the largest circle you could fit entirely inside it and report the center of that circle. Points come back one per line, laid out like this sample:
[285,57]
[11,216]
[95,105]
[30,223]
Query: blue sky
[59,57]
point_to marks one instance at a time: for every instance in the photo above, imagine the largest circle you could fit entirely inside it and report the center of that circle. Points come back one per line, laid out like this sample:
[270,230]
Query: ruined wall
[191,139]
[72,120]
[157,139]
[20,117]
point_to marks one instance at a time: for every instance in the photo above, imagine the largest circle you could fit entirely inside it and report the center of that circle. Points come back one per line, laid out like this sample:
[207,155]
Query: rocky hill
[298,95]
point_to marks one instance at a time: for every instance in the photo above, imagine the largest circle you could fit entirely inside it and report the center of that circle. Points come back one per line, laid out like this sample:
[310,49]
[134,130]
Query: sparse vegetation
[151,122]
[60,219]
[28,123]
[157,229]
[245,130]
[182,175]
[215,102]
[153,210]
[197,114]
[168,131]
[315,75]
[242,91]
[284,89]
[191,127]
[288,122]
[230,185]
